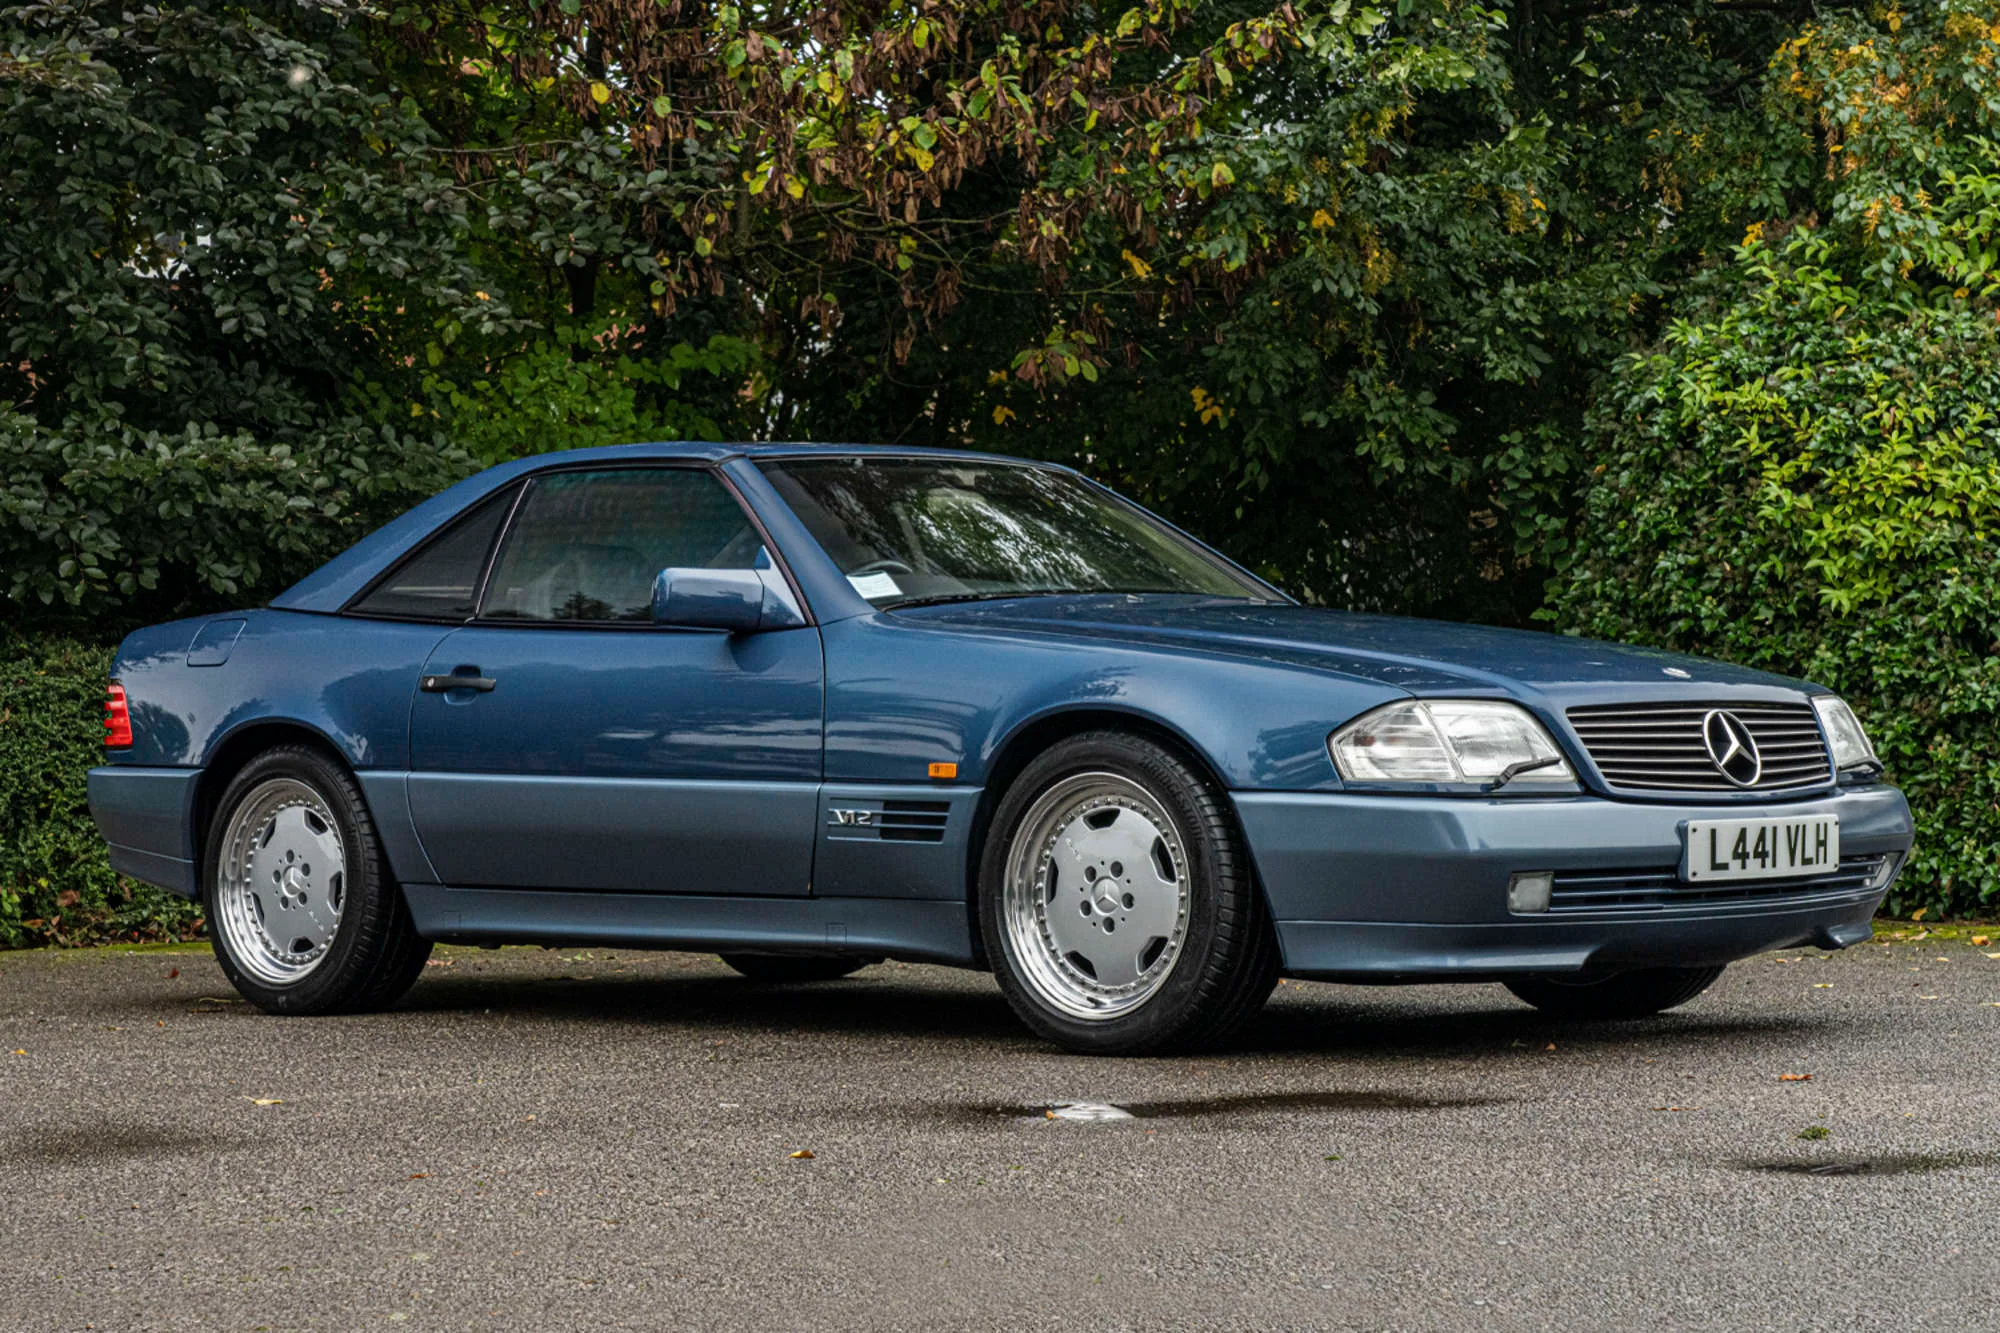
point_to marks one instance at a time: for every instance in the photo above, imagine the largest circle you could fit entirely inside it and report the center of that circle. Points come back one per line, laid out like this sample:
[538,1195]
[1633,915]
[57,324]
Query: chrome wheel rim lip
[1057,834]
[281,881]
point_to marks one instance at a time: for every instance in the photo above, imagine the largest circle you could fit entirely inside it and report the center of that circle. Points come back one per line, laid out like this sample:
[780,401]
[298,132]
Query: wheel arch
[229,755]
[1036,734]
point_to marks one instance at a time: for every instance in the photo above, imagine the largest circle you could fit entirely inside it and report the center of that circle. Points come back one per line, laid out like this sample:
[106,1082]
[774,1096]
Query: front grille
[1659,747]
[1664,890]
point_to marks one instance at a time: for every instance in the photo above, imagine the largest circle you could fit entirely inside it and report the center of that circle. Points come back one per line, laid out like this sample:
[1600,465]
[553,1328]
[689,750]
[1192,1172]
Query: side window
[441,580]
[587,545]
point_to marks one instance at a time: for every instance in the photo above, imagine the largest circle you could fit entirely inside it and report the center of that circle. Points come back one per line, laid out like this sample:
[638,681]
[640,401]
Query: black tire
[1228,959]
[375,953]
[1640,994]
[795,967]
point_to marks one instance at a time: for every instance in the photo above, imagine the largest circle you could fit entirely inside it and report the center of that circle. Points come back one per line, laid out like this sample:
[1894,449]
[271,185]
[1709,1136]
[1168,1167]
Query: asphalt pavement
[582,1140]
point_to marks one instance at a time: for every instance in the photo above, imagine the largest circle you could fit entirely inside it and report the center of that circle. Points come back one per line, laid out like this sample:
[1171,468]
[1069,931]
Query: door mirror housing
[729,599]
[741,601]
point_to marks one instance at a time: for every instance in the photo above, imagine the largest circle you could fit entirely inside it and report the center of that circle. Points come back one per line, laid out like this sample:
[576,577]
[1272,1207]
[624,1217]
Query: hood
[1425,657]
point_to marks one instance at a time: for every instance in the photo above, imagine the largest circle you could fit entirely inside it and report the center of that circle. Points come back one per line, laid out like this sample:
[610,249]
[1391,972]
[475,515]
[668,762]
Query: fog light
[1886,871]
[1528,890]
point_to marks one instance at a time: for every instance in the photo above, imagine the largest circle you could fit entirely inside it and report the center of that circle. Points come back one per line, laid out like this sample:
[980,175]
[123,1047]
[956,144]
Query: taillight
[117,718]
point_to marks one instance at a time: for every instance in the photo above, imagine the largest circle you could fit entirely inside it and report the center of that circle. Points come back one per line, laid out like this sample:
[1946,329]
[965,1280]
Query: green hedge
[56,885]
[1805,477]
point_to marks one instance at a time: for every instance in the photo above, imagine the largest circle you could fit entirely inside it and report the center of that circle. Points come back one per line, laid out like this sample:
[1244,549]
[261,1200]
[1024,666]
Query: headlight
[1447,740]
[1843,732]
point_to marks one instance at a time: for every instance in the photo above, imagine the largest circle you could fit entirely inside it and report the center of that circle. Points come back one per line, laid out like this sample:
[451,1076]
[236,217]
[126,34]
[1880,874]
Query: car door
[594,750]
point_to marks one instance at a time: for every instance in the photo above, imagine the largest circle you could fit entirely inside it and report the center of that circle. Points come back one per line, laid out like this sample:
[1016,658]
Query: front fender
[902,695]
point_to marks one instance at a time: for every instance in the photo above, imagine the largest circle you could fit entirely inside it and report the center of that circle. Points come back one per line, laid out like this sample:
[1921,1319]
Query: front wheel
[303,913]
[1117,902]
[1637,994]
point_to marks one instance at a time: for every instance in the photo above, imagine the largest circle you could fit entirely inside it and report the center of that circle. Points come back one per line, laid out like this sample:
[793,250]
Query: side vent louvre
[914,821]
[887,821]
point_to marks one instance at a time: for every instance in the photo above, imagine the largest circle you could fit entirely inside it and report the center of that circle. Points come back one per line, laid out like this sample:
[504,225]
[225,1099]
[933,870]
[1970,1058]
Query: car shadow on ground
[1456,1031]
[1333,1020]
[859,1006]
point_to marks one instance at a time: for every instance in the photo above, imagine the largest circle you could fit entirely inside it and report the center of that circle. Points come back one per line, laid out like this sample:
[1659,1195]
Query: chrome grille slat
[1659,747]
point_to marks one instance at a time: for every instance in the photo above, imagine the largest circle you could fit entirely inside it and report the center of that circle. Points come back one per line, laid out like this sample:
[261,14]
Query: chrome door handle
[446,684]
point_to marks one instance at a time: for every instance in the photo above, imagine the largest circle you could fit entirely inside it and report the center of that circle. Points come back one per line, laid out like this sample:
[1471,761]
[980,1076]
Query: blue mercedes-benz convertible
[810,707]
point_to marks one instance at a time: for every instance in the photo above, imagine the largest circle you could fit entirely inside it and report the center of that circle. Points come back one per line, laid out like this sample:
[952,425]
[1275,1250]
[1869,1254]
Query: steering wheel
[886,565]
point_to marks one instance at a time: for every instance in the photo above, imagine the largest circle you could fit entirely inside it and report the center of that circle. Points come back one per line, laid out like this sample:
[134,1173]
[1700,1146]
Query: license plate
[1760,848]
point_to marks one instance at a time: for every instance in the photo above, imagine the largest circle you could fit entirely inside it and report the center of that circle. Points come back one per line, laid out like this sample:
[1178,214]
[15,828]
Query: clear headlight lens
[1446,740]
[1843,732]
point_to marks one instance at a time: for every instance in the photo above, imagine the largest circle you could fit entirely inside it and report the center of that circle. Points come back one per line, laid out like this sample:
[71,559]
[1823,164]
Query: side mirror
[731,599]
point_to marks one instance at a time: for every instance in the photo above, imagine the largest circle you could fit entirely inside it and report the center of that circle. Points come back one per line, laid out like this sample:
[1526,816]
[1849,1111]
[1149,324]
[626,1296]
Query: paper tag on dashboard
[875,585]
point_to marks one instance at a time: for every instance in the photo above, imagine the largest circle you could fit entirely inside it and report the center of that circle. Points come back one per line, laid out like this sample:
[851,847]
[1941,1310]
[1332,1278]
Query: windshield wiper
[939,599]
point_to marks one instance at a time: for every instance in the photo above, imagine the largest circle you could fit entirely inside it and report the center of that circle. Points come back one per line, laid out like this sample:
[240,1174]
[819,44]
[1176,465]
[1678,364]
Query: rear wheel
[795,967]
[1117,904]
[1637,994]
[303,913]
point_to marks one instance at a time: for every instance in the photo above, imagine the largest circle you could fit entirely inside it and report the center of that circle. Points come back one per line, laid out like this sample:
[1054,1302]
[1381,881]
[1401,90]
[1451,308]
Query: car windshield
[910,531]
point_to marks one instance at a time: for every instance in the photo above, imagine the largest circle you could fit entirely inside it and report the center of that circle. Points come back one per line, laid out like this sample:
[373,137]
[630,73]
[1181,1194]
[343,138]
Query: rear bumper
[146,817]
[1373,888]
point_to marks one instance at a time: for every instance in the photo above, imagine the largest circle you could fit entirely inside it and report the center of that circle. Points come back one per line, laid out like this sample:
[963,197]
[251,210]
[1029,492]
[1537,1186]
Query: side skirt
[915,930]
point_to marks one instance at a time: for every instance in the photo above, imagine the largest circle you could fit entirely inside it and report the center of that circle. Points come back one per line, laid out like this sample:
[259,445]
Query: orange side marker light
[944,770]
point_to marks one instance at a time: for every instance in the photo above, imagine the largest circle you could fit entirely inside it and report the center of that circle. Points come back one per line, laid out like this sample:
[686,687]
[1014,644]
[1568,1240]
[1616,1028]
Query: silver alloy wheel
[281,881]
[1096,896]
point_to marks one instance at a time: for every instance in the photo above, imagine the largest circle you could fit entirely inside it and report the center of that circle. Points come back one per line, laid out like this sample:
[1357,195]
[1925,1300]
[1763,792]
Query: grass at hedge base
[56,882]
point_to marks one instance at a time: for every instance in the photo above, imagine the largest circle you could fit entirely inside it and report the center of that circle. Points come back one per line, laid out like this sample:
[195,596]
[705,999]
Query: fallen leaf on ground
[420,1175]
[1795,1078]
[218,999]
[19,1051]
[1993,955]
[1550,1047]
[1676,1108]
[173,972]
[1918,915]
[1822,985]
[802,1155]
[265,1101]
[1979,939]
[1815,1132]
[440,962]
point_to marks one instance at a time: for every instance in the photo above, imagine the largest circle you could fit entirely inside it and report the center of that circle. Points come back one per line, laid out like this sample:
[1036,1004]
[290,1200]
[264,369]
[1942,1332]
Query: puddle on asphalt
[83,1146]
[1902,1164]
[1087,1111]
[1248,1103]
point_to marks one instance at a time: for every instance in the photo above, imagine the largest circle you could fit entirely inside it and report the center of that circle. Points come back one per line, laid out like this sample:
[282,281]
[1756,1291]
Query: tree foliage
[1406,305]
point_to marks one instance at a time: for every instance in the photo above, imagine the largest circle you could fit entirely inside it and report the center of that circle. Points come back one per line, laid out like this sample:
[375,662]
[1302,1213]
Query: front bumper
[1389,888]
